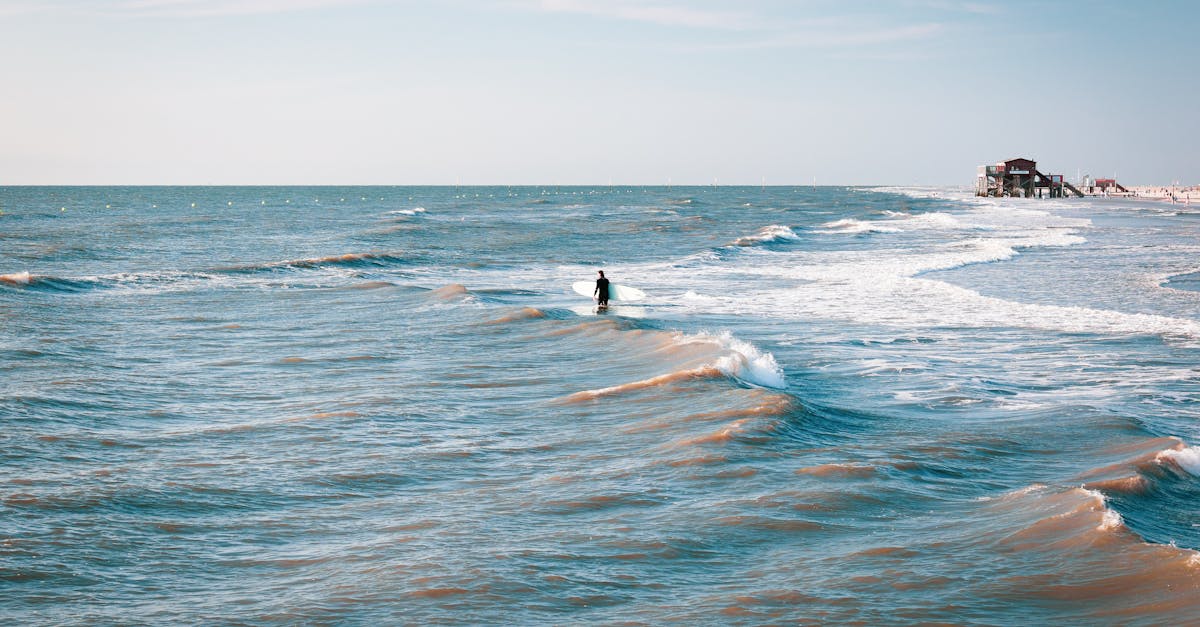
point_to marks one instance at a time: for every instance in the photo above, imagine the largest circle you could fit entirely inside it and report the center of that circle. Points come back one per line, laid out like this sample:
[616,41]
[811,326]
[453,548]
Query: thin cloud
[961,6]
[837,38]
[169,8]
[867,37]
[662,14]
[756,31]
[224,8]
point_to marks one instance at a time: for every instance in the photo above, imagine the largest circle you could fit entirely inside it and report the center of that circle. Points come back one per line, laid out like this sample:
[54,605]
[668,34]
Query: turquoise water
[385,404]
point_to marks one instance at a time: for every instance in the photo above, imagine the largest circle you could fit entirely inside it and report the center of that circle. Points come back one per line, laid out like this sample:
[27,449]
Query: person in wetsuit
[601,292]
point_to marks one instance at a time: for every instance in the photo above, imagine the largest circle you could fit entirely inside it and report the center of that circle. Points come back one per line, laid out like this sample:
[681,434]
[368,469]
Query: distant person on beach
[601,292]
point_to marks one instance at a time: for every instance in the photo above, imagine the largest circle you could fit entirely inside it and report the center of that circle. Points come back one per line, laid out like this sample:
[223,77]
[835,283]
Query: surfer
[601,293]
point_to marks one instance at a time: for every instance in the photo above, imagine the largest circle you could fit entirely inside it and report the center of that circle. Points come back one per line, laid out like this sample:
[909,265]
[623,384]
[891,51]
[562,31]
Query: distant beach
[1187,195]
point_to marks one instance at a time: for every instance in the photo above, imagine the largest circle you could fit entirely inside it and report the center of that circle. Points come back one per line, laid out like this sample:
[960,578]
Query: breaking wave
[1187,458]
[767,234]
[727,356]
[851,225]
[56,284]
[349,260]
[407,212]
[17,278]
[745,362]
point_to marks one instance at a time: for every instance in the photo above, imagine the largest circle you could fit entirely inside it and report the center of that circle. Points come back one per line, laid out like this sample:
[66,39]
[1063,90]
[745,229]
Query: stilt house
[1020,178]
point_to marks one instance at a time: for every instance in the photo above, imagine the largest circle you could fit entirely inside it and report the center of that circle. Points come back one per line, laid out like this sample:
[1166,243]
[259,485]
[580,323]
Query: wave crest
[652,382]
[767,234]
[452,291]
[732,358]
[1186,458]
[853,226]
[349,260]
[524,313]
[745,362]
[16,278]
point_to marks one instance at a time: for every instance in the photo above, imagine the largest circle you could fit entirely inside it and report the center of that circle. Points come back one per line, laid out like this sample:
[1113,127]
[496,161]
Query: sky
[408,92]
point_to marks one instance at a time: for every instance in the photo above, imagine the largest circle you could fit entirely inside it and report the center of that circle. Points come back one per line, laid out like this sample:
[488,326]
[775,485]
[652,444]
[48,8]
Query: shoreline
[1163,193]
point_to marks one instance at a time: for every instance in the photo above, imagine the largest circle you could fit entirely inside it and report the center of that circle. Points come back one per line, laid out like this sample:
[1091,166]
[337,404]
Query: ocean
[385,405]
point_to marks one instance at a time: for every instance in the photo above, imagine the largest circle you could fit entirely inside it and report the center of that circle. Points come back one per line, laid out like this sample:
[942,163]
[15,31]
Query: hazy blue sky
[588,91]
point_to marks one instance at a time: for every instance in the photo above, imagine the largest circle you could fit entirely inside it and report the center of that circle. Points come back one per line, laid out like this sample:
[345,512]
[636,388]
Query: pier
[1020,178]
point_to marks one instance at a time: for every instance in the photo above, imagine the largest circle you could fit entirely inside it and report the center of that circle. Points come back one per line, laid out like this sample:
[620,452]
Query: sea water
[381,405]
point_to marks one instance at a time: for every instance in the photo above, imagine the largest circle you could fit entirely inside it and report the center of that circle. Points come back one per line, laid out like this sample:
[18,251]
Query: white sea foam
[912,191]
[853,226]
[897,223]
[907,302]
[1015,494]
[1163,280]
[16,278]
[1187,459]
[1109,518]
[935,220]
[1030,489]
[771,233]
[745,362]
[879,264]
[884,285]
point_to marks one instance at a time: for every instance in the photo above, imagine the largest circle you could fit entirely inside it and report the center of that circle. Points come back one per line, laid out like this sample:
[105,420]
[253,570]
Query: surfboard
[615,292]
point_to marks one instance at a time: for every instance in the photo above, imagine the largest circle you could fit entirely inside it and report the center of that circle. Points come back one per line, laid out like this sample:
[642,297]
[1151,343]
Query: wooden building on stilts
[1020,178]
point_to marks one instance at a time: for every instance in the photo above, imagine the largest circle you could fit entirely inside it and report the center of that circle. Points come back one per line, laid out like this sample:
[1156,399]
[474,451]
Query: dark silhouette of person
[601,292]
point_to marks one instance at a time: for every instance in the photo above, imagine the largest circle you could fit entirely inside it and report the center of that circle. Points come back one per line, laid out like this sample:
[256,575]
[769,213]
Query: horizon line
[543,185]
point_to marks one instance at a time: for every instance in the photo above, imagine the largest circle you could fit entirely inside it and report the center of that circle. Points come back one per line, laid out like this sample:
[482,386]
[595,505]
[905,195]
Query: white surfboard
[615,292]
